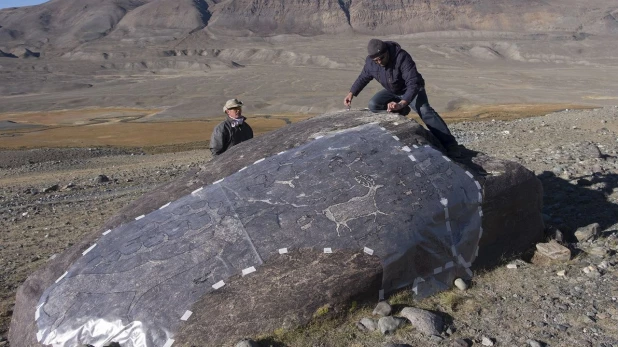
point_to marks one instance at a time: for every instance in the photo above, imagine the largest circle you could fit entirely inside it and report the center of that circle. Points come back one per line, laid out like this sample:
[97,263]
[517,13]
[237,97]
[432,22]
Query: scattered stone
[535,343]
[247,343]
[436,338]
[461,343]
[51,189]
[486,341]
[511,266]
[550,252]
[461,284]
[598,251]
[382,309]
[388,325]
[426,322]
[586,233]
[101,179]
[561,273]
[368,324]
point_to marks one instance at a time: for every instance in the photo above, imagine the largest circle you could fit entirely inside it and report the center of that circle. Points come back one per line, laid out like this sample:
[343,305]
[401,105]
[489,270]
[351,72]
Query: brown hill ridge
[69,23]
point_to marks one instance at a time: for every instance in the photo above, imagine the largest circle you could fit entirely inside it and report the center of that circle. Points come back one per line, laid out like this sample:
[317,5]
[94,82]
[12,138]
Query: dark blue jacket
[398,77]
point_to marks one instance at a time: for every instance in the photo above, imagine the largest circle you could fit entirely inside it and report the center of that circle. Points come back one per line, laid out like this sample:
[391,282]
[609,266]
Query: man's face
[382,60]
[234,113]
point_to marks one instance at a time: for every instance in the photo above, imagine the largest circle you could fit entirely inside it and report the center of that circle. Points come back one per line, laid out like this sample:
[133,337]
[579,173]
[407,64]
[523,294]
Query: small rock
[535,343]
[554,251]
[586,233]
[436,338]
[486,341]
[382,309]
[428,323]
[51,189]
[561,273]
[597,251]
[389,324]
[247,343]
[511,266]
[460,343]
[461,284]
[369,324]
[101,179]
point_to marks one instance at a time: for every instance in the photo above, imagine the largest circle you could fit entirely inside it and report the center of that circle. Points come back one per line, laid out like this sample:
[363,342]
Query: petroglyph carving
[357,207]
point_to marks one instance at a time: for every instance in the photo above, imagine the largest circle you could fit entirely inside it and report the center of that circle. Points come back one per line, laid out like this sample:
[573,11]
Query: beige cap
[232,103]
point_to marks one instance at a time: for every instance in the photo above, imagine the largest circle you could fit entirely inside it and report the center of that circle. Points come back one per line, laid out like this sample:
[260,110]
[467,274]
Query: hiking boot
[453,151]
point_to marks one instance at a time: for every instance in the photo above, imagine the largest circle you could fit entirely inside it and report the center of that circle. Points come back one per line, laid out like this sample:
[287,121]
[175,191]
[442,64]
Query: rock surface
[512,178]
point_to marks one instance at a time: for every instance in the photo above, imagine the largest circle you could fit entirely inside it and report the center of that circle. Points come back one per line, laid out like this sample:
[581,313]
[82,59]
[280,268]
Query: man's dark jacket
[228,134]
[399,76]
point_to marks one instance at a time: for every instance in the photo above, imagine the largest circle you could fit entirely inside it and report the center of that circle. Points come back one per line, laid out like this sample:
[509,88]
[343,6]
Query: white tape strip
[444,201]
[164,206]
[478,185]
[448,265]
[454,250]
[218,181]
[448,226]
[381,295]
[186,315]
[462,261]
[89,249]
[446,158]
[412,157]
[139,217]
[259,160]
[406,149]
[469,174]
[218,285]
[480,232]
[37,313]
[446,216]
[61,277]
[469,272]
[243,169]
[39,335]
[248,270]
[396,138]
[319,137]
[328,250]
[368,250]
[480,197]
[480,211]
[107,232]
[169,343]
[437,270]
[200,189]
[476,251]
[283,250]
[280,152]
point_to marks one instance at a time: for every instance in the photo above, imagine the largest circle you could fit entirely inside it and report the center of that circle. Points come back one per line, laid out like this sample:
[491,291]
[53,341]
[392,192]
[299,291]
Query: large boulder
[297,222]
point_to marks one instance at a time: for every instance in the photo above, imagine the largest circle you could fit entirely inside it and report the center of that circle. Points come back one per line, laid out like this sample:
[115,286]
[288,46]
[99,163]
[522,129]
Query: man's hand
[348,99]
[394,106]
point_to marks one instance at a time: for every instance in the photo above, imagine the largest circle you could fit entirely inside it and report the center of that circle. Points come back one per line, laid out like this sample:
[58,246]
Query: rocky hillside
[70,23]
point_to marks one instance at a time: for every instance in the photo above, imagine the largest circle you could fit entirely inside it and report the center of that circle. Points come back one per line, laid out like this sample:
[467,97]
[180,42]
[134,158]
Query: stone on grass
[424,321]
[382,309]
[368,324]
[461,284]
[388,325]
[247,343]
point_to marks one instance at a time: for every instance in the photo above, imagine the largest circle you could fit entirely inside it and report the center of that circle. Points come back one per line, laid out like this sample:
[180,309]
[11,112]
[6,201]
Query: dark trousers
[420,104]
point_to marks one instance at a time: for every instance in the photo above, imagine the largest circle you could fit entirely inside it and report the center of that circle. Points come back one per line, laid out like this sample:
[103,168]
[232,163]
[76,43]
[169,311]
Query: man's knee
[376,107]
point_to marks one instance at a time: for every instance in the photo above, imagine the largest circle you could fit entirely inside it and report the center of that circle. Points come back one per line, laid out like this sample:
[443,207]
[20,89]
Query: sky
[17,3]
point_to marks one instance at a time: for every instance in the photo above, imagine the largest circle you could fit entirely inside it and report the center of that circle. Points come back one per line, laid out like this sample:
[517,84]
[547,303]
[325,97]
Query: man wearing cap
[404,89]
[232,131]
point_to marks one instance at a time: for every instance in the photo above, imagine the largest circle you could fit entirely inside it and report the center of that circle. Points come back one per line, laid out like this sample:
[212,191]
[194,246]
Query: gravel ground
[50,198]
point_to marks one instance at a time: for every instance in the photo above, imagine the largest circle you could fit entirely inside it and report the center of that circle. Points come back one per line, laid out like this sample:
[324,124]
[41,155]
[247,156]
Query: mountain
[66,24]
